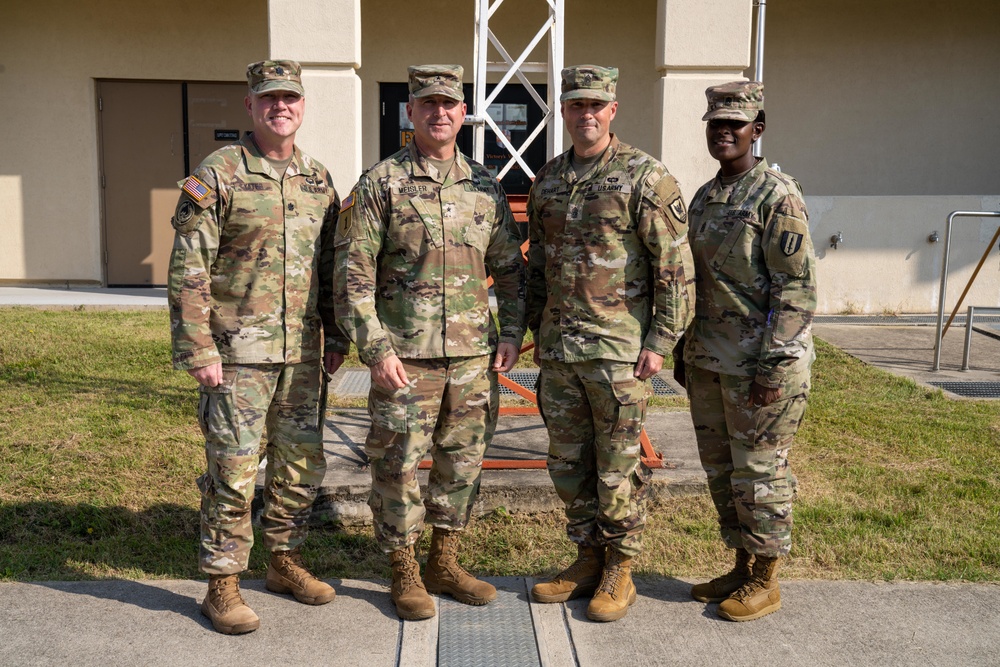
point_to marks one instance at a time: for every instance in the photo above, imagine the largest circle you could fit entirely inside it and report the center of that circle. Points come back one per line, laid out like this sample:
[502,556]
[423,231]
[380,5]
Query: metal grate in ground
[971,389]
[500,634]
[358,382]
[901,320]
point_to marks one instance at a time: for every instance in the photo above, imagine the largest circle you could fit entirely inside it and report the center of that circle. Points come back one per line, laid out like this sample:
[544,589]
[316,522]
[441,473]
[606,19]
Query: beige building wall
[884,113]
[51,51]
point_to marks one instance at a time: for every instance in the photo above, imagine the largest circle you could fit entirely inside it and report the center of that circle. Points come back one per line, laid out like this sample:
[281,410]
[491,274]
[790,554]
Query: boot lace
[293,567]
[408,569]
[227,594]
[747,590]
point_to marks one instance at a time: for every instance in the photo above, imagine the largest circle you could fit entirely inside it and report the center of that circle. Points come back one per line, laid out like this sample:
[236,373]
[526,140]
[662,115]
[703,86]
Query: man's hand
[761,395]
[207,376]
[332,361]
[389,373]
[649,364]
[506,357]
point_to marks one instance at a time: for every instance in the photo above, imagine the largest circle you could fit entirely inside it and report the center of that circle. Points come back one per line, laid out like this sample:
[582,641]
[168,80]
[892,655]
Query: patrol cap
[589,82]
[737,100]
[270,75]
[425,80]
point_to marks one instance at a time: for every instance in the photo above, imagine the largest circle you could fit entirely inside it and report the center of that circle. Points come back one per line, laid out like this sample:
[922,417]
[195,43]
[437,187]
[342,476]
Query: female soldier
[748,353]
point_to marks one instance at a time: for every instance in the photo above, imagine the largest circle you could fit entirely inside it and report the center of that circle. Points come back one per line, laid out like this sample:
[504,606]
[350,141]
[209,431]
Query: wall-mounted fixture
[836,240]
[933,238]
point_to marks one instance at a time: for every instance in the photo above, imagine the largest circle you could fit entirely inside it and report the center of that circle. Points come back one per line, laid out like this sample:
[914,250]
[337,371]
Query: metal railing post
[944,277]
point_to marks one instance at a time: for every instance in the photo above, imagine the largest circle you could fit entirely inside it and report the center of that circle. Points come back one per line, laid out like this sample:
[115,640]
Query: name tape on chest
[410,189]
[251,187]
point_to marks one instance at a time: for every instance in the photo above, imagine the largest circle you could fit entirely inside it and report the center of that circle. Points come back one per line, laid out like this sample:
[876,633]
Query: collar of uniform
[609,154]
[418,164]
[256,162]
[736,193]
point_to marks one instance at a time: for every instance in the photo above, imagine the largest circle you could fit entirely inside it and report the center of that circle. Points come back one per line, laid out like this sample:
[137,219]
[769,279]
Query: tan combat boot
[408,592]
[444,575]
[286,573]
[758,597]
[616,590]
[224,606]
[720,588]
[579,579]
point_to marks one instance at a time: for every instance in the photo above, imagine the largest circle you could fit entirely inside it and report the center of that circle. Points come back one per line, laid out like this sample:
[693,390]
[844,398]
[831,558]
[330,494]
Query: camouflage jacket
[609,267]
[756,279]
[251,270]
[411,251]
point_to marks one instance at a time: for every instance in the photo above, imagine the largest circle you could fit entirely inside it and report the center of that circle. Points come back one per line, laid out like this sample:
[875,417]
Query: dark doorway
[514,111]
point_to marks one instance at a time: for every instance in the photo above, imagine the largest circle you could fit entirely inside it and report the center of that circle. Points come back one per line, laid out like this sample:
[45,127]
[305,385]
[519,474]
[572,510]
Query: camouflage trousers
[594,412]
[290,401]
[449,408]
[744,451]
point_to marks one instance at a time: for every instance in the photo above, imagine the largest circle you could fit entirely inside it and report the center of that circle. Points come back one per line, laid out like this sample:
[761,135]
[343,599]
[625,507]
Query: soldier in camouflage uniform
[748,354]
[610,291]
[251,310]
[412,242]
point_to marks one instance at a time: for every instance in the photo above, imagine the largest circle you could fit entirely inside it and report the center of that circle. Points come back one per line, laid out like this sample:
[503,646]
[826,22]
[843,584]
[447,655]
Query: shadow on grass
[45,540]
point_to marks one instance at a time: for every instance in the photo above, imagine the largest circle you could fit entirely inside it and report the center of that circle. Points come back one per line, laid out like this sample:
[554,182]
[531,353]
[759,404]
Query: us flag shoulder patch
[347,203]
[195,188]
[790,242]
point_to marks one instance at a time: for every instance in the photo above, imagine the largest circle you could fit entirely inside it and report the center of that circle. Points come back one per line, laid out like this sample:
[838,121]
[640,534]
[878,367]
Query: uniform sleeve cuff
[207,356]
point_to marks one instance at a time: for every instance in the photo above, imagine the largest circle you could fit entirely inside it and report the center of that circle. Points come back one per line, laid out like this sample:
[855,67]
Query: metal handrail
[971,314]
[944,278]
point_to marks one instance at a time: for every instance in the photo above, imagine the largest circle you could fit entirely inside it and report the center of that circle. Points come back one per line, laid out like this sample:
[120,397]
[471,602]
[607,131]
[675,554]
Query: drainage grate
[971,389]
[499,634]
[901,320]
[529,378]
[354,382]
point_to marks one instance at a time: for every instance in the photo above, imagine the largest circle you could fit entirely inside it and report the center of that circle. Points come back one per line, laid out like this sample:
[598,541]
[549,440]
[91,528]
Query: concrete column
[699,43]
[325,37]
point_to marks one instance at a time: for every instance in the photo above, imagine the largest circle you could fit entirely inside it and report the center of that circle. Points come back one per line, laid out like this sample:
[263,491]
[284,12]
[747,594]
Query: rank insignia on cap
[195,188]
[790,242]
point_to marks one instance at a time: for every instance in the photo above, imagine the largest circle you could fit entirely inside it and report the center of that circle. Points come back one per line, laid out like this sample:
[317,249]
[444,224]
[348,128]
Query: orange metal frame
[650,457]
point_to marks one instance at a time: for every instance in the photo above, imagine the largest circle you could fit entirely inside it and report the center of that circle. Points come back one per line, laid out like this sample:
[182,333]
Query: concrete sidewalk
[99,623]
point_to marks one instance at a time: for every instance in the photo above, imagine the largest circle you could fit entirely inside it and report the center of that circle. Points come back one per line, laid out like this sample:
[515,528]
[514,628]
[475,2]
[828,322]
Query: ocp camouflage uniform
[412,246]
[250,286]
[756,286]
[609,273]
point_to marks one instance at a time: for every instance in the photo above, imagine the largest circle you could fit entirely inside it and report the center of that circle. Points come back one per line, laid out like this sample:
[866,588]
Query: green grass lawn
[100,452]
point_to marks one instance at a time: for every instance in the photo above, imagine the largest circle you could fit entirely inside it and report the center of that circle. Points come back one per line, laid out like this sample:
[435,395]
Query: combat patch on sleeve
[187,216]
[345,223]
[677,208]
[788,250]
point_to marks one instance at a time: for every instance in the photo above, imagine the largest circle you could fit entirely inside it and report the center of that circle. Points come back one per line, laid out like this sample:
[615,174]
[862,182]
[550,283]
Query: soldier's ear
[758,129]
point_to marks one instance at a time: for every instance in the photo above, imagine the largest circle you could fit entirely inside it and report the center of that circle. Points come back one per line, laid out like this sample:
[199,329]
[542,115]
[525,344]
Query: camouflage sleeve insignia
[677,208]
[788,250]
[346,220]
[186,217]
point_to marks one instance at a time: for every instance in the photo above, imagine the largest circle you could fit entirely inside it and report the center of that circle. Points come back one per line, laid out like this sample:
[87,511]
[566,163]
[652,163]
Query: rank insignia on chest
[195,188]
[790,242]
[575,212]
[448,209]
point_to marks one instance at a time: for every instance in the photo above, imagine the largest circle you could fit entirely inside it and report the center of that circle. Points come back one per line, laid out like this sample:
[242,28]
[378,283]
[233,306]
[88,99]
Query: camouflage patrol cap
[270,75]
[589,82]
[444,80]
[738,100]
